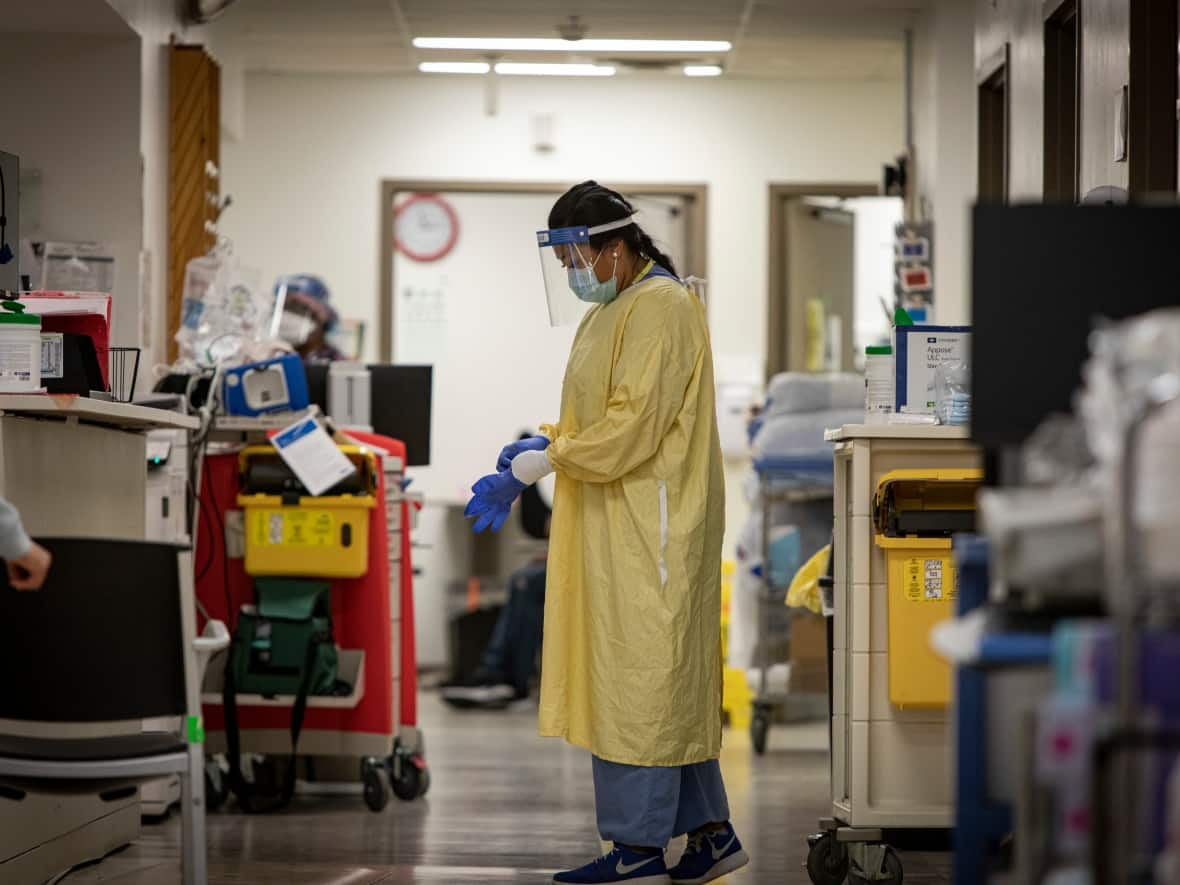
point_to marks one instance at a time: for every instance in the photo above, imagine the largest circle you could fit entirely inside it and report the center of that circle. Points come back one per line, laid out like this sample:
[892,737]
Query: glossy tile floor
[505,806]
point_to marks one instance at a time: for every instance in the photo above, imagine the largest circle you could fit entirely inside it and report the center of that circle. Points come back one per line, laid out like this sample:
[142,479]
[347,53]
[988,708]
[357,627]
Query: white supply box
[918,351]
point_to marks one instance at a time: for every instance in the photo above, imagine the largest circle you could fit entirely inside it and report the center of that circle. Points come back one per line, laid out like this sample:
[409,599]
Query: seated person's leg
[525,617]
[508,662]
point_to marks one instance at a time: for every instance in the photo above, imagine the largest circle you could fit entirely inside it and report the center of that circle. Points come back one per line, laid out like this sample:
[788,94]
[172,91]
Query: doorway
[831,263]
[1063,32]
[1152,96]
[993,128]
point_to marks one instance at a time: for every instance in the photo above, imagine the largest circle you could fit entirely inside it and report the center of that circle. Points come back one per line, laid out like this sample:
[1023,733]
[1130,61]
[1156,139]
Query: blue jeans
[647,807]
[512,652]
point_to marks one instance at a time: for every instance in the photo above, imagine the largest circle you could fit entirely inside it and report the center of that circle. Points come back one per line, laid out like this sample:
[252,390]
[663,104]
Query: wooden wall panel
[1017,23]
[1105,70]
[1026,158]
[1106,28]
[992,27]
[193,143]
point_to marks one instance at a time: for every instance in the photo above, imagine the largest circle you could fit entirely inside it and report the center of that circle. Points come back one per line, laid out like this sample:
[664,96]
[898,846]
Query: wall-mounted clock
[426,227]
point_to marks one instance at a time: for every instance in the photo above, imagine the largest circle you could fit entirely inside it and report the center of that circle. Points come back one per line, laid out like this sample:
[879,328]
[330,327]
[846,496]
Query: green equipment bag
[283,645]
[270,647]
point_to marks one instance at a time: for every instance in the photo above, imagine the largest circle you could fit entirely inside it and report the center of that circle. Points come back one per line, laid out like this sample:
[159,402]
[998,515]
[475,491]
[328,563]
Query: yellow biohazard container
[324,536]
[915,513]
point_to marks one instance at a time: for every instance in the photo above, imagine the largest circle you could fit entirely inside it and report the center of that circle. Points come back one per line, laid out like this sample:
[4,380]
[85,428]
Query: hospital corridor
[539,442]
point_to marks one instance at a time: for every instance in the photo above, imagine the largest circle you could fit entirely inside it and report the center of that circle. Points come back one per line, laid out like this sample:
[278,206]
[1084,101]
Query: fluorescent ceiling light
[553,44]
[702,71]
[524,69]
[454,67]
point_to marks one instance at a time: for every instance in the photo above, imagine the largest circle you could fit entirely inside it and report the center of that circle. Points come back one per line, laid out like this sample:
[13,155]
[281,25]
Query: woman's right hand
[510,451]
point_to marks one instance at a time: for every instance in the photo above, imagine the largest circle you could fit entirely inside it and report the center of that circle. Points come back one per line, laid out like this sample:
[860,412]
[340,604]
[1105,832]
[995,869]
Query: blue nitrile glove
[510,451]
[493,498]
[487,514]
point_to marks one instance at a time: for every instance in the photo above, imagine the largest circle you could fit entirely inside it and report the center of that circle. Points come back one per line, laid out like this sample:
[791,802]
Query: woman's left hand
[493,499]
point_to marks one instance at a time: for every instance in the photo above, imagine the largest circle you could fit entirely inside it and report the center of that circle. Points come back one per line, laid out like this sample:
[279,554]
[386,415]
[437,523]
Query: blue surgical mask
[586,285]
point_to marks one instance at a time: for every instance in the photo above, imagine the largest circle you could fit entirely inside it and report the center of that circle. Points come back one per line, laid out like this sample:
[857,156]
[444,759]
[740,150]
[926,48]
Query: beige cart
[74,467]
[891,766]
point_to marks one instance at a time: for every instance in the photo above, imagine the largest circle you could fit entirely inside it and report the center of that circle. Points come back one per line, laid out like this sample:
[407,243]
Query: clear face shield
[568,269]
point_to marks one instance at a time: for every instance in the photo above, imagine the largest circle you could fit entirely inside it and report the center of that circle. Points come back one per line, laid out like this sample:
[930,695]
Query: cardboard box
[918,351]
[809,677]
[809,639]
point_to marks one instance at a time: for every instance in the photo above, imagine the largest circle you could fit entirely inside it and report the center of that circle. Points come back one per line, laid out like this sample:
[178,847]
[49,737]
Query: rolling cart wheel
[424,787]
[827,862]
[216,785]
[759,729]
[376,793]
[412,780]
[890,870]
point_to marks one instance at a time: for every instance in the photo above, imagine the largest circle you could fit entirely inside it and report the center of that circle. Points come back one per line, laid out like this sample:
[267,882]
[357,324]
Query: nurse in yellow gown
[631,661]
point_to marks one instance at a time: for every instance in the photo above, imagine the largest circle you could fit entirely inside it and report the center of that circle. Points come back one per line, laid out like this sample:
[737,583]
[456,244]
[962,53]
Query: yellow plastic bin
[915,512]
[325,536]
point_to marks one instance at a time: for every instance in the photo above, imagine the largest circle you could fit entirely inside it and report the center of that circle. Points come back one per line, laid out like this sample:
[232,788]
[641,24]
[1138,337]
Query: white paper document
[310,453]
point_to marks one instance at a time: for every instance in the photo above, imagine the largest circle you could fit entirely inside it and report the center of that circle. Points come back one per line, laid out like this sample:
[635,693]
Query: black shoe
[480,690]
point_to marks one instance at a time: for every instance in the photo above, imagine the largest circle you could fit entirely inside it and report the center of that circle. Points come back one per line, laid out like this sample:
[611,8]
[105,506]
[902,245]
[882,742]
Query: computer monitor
[399,404]
[1042,275]
[400,407]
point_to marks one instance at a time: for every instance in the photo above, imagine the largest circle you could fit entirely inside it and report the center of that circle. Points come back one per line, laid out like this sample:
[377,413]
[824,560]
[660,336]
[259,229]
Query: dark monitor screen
[1042,275]
[399,407]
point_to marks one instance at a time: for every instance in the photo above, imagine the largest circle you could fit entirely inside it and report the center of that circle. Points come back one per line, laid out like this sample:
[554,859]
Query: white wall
[945,128]
[71,111]
[305,177]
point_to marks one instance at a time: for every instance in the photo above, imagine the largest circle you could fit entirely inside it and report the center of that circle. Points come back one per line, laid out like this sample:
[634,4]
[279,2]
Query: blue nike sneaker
[620,865]
[709,856]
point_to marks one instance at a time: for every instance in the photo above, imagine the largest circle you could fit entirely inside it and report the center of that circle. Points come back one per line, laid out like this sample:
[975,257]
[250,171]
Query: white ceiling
[787,39]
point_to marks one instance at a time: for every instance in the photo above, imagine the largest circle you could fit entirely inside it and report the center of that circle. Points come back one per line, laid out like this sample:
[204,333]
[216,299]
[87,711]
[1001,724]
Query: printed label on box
[295,528]
[931,580]
[52,355]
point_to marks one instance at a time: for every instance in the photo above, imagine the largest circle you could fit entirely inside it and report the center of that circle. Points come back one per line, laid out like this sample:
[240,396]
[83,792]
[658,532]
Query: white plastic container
[878,384]
[20,349]
[349,390]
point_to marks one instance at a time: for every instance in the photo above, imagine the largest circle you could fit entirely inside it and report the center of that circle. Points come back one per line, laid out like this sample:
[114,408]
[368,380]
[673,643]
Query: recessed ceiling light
[702,70]
[454,67]
[524,69]
[553,44]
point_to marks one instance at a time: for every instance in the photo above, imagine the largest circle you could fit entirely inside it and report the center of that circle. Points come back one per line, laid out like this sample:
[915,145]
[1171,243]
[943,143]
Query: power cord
[5,249]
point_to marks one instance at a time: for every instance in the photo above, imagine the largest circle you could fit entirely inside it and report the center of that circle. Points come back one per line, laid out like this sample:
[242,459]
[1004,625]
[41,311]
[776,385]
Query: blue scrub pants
[647,807]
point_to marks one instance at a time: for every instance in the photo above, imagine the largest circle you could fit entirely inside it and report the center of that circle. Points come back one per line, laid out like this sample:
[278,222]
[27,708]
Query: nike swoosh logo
[719,853]
[627,869]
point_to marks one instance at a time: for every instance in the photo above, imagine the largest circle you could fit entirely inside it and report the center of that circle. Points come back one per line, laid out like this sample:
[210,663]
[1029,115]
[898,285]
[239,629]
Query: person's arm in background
[27,562]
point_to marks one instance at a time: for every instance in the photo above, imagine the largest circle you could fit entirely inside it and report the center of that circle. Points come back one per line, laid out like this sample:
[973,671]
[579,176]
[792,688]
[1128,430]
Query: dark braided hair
[591,204]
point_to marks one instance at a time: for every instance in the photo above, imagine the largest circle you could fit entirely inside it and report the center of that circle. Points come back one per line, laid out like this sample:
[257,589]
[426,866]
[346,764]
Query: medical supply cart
[793,490]
[897,490]
[369,734]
